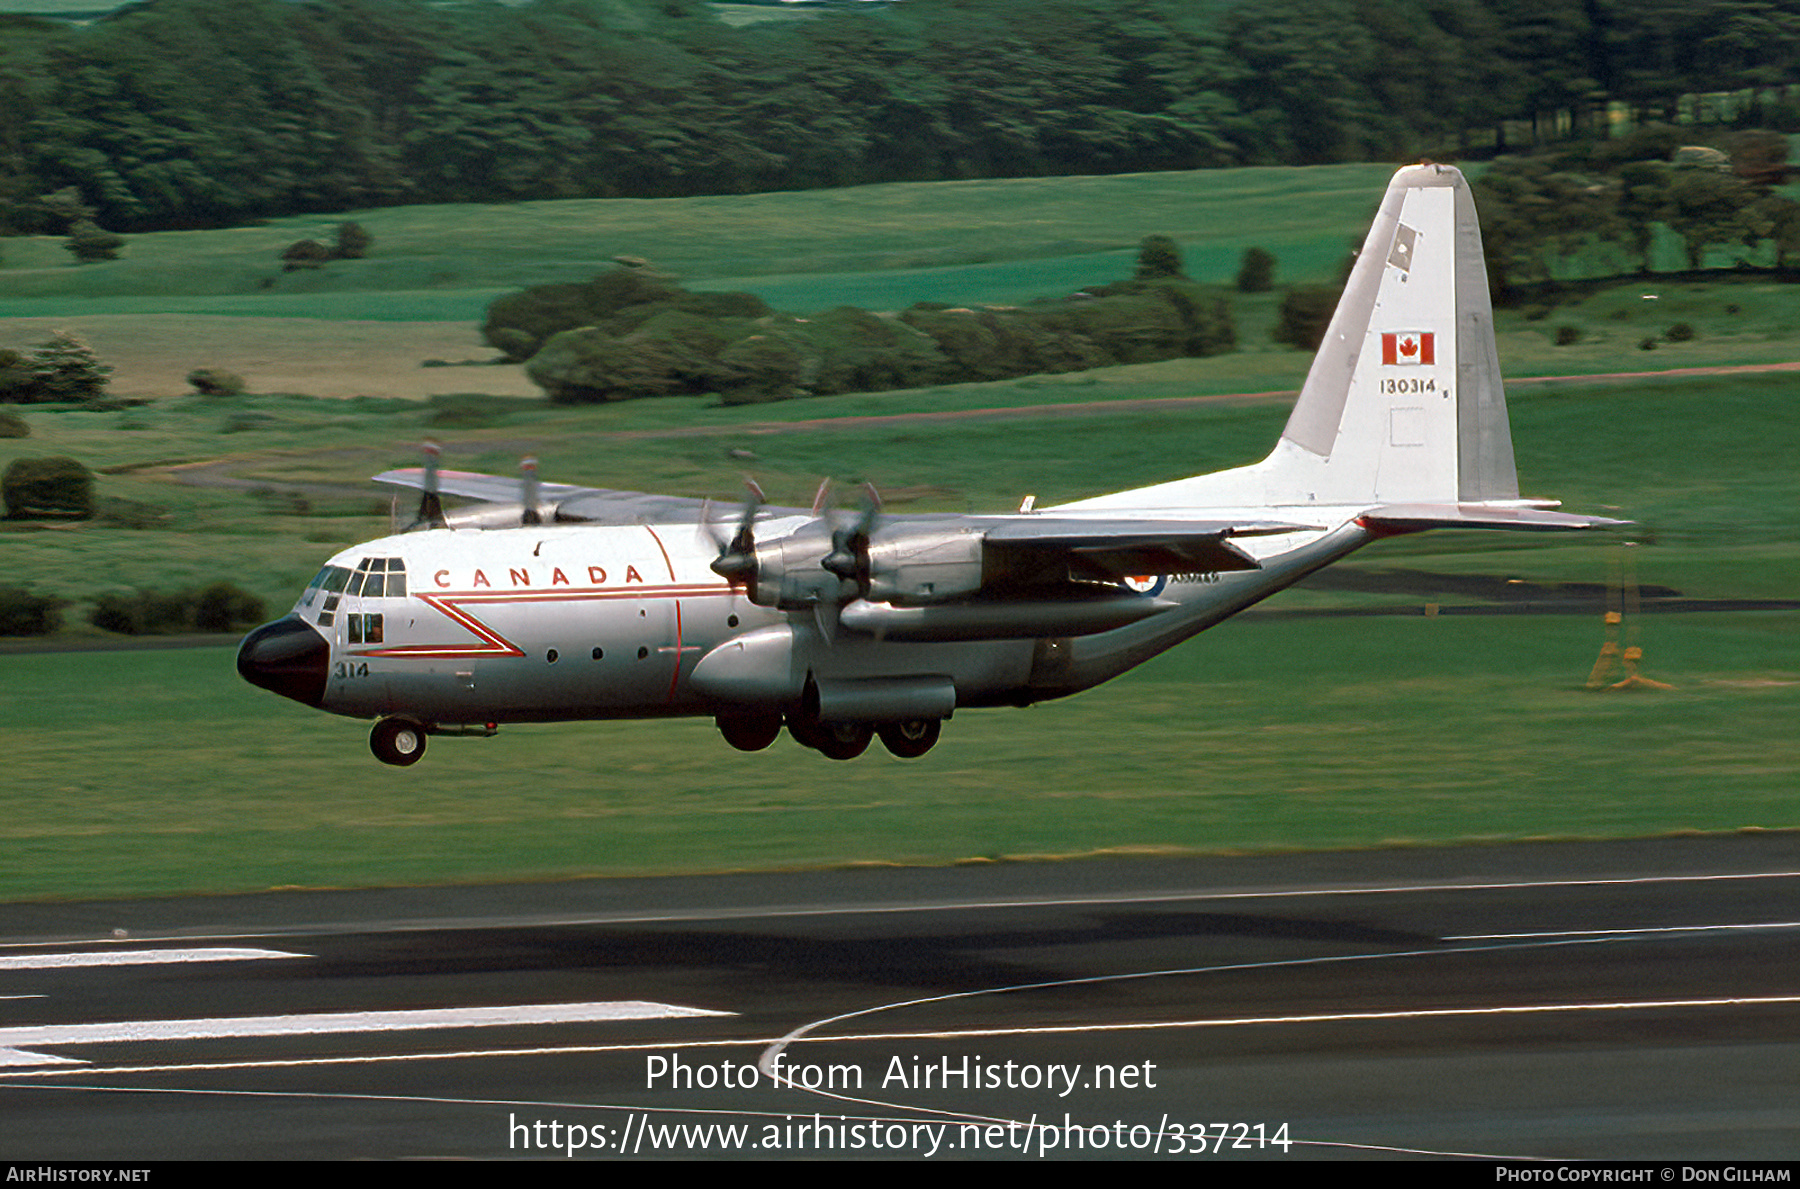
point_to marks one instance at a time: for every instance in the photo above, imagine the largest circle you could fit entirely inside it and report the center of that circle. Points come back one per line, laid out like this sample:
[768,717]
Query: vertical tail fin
[1404,401]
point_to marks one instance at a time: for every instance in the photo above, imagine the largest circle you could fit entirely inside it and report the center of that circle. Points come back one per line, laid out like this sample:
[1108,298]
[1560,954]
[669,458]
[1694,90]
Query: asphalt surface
[1552,1001]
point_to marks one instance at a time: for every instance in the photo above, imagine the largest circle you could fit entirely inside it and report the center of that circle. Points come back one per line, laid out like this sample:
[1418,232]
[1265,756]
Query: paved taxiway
[1606,1000]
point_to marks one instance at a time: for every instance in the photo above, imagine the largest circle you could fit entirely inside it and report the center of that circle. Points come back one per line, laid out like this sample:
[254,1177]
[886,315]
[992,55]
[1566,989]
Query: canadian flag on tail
[1409,346]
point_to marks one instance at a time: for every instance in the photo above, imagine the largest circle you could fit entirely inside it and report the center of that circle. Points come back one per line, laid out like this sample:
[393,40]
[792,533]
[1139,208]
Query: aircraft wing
[597,505]
[1113,549]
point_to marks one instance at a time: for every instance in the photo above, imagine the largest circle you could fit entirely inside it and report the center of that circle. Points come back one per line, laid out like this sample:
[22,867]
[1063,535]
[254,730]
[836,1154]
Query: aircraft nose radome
[287,657]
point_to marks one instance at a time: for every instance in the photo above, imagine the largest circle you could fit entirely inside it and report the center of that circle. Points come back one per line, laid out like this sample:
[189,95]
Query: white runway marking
[14,1041]
[1425,1013]
[1642,930]
[136,957]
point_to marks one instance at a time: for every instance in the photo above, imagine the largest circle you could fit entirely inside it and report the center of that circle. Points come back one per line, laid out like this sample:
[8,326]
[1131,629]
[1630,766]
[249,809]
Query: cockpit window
[330,580]
[373,578]
[379,578]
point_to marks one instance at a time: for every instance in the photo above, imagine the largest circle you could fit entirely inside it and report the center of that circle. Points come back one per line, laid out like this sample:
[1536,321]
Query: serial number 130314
[1409,385]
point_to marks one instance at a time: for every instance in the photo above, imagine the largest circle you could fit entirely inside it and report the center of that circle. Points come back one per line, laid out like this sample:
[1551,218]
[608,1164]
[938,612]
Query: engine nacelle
[928,566]
[916,566]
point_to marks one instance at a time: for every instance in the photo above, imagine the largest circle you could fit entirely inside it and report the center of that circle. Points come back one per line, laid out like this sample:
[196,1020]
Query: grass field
[1002,240]
[161,772]
[144,772]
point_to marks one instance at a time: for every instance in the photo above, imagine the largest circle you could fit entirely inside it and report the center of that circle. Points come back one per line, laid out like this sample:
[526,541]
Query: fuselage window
[362,629]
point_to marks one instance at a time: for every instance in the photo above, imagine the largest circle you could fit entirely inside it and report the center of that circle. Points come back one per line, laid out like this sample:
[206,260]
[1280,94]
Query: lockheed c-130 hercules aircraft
[549,602]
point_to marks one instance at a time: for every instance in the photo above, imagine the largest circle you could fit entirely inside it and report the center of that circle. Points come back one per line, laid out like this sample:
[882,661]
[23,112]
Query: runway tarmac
[1576,1001]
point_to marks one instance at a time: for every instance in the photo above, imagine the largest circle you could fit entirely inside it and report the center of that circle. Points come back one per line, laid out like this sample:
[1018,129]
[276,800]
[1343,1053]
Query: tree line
[1585,210]
[187,113]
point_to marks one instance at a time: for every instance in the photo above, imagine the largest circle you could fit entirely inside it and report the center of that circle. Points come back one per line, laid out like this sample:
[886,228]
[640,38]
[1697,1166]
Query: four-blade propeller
[849,556]
[736,562]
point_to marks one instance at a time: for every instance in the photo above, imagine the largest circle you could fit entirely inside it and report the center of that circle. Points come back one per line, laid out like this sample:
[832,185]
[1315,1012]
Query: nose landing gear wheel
[911,739]
[399,741]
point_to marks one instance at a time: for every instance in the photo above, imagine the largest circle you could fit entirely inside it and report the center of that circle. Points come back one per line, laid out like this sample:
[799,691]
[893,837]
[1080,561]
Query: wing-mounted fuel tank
[773,669]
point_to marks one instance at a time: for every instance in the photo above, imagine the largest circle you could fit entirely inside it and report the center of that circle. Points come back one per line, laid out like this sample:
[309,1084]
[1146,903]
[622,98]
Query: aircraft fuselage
[611,621]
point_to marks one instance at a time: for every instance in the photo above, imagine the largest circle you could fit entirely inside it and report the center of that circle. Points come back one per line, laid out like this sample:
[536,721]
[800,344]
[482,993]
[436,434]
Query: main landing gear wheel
[844,740]
[837,741]
[911,739]
[398,741]
[749,733]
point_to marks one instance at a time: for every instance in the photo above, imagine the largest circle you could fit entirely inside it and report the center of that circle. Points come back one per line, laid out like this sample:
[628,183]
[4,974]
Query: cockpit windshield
[373,578]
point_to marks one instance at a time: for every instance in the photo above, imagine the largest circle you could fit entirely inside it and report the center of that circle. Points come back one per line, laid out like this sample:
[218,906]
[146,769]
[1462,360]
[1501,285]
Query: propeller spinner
[849,556]
[736,562]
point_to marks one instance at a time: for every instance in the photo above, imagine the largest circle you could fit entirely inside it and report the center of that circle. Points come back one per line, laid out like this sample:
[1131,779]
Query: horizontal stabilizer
[1406,518]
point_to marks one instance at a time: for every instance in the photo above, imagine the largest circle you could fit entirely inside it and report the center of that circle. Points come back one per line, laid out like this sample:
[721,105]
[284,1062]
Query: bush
[90,244]
[219,607]
[48,487]
[223,607]
[25,614]
[353,243]
[142,613]
[1567,336]
[66,369]
[1256,272]
[766,368]
[13,426]
[589,366]
[307,253]
[18,383]
[210,381]
[1158,257]
[979,345]
[731,344]
[1681,332]
[1648,344]
[1142,321]
[1305,316]
[617,302]
[851,350]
